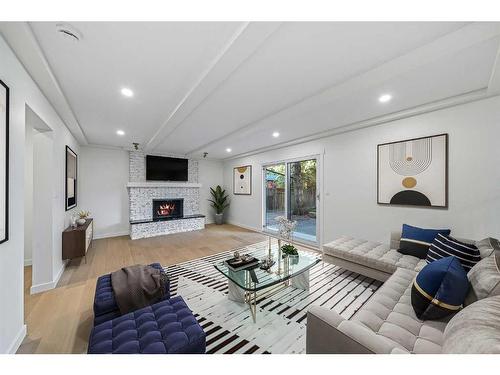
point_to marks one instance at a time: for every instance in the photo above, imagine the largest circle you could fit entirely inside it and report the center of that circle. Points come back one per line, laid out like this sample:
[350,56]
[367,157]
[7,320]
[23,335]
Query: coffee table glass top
[254,279]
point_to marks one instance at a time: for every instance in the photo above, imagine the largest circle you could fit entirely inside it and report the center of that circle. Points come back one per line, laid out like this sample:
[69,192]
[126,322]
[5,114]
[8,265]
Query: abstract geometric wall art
[413,172]
[242,180]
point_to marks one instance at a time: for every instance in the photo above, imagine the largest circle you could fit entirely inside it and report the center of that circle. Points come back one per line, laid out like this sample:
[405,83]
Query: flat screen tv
[161,168]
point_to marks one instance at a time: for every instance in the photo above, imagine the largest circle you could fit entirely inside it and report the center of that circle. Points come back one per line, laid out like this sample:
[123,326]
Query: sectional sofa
[387,323]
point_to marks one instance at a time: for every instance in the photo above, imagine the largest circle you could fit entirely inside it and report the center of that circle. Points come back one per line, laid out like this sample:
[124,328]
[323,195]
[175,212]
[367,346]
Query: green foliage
[289,249]
[219,199]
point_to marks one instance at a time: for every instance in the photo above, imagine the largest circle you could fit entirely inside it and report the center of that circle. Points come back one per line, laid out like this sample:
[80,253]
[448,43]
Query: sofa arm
[329,333]
[395,239]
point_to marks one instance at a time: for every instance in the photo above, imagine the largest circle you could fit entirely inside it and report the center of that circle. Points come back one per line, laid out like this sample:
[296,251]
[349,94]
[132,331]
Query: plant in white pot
[219,202]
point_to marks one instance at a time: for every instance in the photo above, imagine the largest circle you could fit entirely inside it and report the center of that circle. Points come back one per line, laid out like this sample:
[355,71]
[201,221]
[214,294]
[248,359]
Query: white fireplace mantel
[154,184]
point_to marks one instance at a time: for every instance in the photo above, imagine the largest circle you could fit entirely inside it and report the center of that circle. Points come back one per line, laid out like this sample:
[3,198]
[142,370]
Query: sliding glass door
[291,190]
[275,204]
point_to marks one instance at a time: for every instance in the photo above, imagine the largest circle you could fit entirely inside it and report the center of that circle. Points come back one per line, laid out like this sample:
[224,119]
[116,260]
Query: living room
[248,187]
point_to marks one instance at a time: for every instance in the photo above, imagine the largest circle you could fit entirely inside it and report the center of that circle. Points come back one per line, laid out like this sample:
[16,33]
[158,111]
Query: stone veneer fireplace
[145,197]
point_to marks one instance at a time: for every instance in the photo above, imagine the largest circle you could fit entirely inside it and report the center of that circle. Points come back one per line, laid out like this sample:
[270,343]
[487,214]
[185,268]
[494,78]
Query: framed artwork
[242,180]
[413,172]
[4,162]
[71,178]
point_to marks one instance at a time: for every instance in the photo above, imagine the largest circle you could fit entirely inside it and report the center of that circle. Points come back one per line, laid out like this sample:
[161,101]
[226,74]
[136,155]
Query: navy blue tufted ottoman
[167,327]
[105,307]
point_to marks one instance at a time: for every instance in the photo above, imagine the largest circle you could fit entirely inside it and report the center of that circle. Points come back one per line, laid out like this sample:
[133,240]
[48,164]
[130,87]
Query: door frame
[319,194]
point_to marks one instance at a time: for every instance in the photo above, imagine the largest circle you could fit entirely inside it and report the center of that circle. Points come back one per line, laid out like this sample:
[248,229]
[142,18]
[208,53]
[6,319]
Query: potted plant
[219,202]
[289,251]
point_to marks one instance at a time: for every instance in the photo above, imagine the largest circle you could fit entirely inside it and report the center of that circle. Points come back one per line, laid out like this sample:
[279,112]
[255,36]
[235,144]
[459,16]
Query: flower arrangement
[83,214]
[285,227]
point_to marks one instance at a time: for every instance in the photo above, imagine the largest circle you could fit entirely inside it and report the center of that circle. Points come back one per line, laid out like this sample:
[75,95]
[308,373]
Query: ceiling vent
[68,32]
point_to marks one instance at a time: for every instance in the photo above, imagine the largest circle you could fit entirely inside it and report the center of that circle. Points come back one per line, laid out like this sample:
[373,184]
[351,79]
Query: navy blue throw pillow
[439,289]
[442,247]
[416,241]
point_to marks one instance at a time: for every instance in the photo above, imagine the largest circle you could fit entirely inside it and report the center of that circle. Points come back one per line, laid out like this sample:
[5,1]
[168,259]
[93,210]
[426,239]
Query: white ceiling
[206,86]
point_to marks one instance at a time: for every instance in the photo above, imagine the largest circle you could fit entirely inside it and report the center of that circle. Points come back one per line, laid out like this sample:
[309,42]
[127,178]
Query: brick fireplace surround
[142,193]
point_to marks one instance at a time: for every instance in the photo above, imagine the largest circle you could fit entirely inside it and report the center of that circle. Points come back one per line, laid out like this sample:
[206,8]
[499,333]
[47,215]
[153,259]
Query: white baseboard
[17,341]
[243,226]
[28,262]
[110,235]
[38,288]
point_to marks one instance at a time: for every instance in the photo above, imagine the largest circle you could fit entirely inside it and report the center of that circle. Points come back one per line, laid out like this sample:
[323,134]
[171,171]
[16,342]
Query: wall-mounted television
[161,168]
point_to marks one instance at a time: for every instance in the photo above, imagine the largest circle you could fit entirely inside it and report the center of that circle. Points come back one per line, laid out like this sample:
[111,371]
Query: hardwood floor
[60,320]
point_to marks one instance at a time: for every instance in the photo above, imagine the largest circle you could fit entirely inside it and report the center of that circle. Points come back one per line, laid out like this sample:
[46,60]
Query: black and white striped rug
[281,316]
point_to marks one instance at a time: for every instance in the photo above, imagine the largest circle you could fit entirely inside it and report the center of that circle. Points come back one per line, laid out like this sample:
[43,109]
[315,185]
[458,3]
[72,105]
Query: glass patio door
[291,190]
[274,201]
[302,198]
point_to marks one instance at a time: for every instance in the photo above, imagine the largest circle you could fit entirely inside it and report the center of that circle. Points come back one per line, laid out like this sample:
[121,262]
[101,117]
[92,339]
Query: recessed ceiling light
[127,92]
[276,134]
[228,149]
[120,132]
[385,98]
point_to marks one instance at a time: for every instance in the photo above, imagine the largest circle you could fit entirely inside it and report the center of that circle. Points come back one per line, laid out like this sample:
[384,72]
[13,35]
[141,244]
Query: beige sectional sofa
[387,322]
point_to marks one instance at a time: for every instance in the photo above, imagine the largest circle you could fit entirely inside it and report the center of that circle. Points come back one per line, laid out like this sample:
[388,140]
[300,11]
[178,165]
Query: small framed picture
[242,180]
[71,178]
[4,162]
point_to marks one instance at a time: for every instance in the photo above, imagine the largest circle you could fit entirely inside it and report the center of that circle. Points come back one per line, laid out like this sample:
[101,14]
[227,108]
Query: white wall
[104,174]
[28,194]
[42,212]
[210,174]
[103,178]
[350,176]
[24,91]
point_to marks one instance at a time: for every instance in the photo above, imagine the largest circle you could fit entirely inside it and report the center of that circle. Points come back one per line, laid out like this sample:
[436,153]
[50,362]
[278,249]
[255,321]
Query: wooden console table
[76,241]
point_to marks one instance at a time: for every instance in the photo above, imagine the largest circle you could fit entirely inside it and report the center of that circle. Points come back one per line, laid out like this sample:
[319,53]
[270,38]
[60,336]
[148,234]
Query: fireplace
[168,208]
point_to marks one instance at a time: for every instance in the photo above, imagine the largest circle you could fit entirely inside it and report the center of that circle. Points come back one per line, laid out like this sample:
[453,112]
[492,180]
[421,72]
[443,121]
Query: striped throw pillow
[445,246]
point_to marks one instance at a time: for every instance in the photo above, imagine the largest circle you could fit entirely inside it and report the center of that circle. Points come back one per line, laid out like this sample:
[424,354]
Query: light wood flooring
[60,320]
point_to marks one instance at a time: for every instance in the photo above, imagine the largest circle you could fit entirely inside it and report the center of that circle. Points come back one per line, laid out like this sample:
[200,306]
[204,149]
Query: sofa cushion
[416,241]
[372,254]
[165,327]
[439,289]
[389,313]
[484,280]
[475,329]
[445,246]
[485,247]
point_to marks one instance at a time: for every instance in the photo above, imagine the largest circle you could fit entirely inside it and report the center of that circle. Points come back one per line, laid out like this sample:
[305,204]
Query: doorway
[291,189]
[39,193]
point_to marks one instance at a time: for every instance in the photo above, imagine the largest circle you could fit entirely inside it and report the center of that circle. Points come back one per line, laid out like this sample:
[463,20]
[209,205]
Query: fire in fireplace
[167,208]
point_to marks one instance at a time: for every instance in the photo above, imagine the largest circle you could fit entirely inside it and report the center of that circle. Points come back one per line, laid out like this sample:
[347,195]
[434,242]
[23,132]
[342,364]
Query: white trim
[50,285]
[111,235]
[243,226]
[16,343]
[147,184]
[158,136]
[28,262]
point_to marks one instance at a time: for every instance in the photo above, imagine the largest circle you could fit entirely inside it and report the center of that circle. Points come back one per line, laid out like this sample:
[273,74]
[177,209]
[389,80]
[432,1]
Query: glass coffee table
[244,285]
